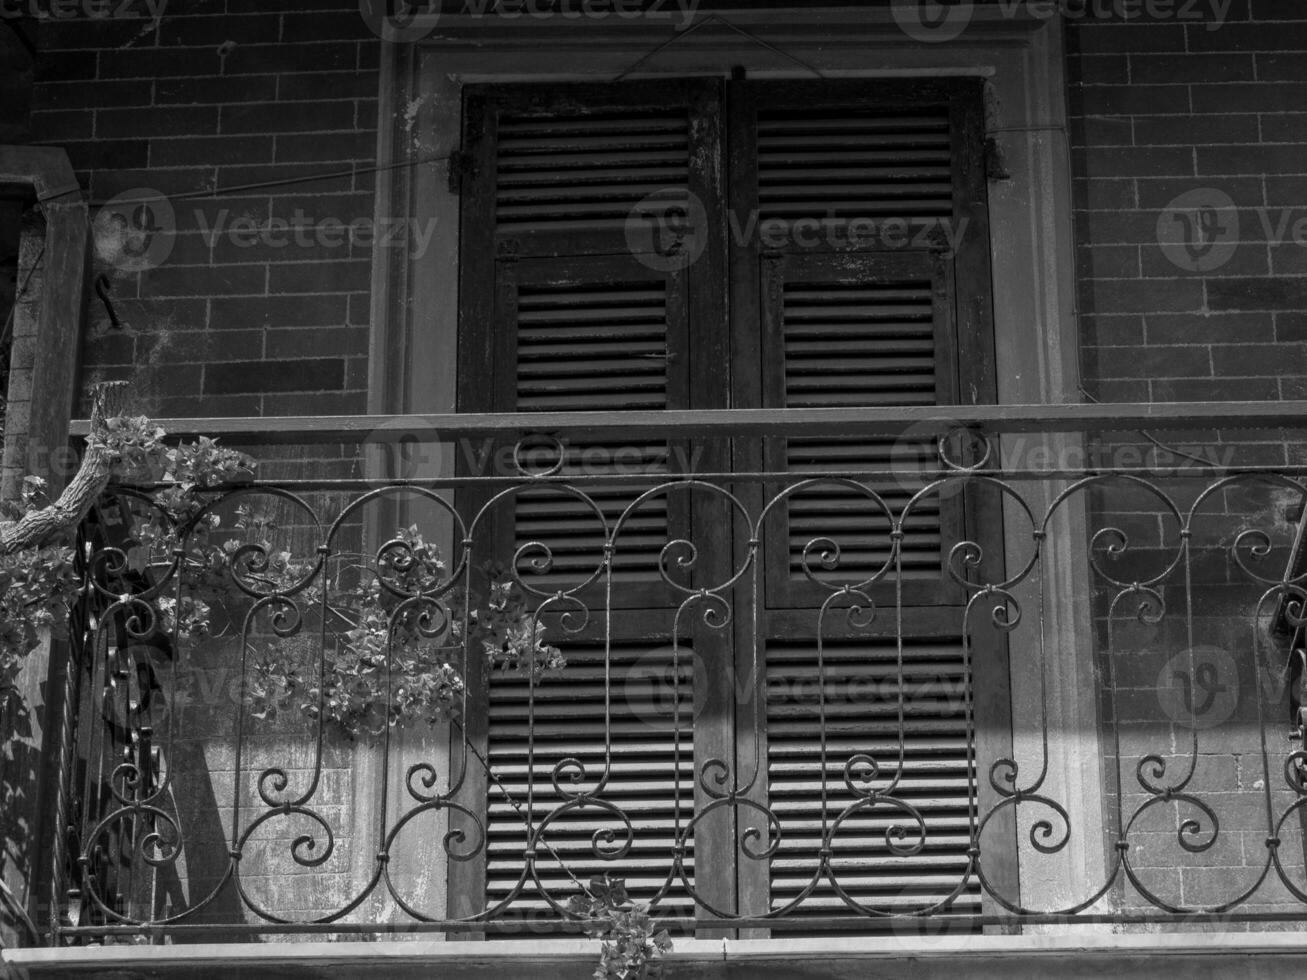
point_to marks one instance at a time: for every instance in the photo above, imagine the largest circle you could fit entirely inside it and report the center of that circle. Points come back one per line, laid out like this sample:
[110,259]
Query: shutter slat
[565,170]
[854,163]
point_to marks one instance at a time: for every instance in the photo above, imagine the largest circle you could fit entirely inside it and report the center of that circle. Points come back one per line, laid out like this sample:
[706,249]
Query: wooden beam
[44,169]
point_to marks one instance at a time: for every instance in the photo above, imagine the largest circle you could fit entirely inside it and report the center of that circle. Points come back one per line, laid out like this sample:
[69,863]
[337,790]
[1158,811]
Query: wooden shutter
[908,714]
[562,310]
[593,333]
[865,284]
[569,303]
[848,330]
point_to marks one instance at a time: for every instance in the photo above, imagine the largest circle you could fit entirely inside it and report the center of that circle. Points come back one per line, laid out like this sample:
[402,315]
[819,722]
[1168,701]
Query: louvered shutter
[851,330]
[564,309]
[589,333]
[909,716]
[886,303]
[573,302]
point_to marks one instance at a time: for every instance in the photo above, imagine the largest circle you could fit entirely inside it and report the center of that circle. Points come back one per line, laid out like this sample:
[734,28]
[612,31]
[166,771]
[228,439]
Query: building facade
[886,410]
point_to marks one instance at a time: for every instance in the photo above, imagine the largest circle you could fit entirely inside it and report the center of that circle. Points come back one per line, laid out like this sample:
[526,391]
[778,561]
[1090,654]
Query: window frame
[497,259]
[1021,59]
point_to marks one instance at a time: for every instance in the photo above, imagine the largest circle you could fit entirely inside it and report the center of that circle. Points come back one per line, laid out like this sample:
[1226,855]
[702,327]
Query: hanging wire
[288,181]
[1153,439]
[719,19]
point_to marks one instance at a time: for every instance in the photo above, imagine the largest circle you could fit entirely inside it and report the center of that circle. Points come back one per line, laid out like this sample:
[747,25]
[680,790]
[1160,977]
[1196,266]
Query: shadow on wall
[15,127]
[15,108]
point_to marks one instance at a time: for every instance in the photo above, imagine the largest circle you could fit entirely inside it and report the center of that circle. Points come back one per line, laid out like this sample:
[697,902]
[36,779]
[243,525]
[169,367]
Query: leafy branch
[633,946]
[393,637]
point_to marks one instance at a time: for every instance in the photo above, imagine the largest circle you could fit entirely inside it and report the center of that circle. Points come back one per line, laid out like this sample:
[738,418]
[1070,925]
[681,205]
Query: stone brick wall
[1181,128]
[1162,109]
[269,317]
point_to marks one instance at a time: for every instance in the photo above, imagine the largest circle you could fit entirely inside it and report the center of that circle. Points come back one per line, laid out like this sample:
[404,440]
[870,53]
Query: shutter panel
[586,334]
[574,300]
[858,329]
[563,169]
[867,295]
[862,683]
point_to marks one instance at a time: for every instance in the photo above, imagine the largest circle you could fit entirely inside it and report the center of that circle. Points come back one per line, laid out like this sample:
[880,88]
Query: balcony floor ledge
[1194,955]
[903,958]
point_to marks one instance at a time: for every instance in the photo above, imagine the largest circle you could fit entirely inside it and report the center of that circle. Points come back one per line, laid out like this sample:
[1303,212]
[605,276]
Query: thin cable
[288,181]
[494,777]
[22,37]
[718,18]
[1076,316]
[1154,440]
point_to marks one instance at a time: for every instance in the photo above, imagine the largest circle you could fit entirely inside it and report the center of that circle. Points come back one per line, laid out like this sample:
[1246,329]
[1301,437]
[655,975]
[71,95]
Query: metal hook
[102,289]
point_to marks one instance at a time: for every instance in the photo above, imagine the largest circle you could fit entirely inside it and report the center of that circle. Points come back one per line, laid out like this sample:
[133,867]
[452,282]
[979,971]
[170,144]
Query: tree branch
[38,527]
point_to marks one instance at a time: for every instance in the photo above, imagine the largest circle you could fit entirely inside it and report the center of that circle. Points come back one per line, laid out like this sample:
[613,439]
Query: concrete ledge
[1259,956]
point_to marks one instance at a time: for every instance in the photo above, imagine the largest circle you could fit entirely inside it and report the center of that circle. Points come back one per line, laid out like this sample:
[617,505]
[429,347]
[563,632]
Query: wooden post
[48,321]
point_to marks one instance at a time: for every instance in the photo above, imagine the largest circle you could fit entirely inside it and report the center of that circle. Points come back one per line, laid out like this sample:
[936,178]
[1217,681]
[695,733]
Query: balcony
[1017,670]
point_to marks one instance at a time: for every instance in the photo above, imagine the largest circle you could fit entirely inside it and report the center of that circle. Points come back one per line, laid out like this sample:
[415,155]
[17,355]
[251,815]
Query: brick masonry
[271,318]
[1160,109]
[1201,113]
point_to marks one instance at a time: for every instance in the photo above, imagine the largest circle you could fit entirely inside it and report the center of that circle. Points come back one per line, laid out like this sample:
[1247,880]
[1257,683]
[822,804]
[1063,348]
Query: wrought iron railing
[1078,712]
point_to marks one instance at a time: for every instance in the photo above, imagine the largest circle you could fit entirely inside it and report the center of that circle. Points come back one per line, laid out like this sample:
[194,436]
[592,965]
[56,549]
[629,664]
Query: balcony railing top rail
[762,422]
